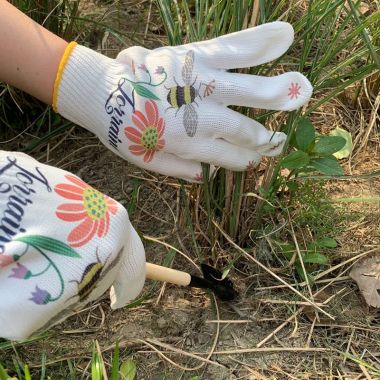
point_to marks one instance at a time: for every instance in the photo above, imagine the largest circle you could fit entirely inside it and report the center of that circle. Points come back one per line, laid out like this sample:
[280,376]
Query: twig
[348,345]
[311,332]
[327,280]
[272,349]
[150,238]
[283,302]
[229,321]
[300,256]
[279,328]
[150,343]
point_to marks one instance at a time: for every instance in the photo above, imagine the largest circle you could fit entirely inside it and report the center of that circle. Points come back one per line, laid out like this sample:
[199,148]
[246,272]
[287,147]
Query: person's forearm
[29,53]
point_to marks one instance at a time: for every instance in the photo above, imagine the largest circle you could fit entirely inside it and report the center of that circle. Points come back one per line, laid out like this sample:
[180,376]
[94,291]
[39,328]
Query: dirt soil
[265,334]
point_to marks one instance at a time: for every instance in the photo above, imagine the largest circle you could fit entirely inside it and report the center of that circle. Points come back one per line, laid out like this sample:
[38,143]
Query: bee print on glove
[185,96]
[93,273]
[91,276]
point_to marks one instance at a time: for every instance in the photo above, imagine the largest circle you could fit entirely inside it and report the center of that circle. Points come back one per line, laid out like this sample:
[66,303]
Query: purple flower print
[40,296]
[159,70]
[21,272]
[144,68]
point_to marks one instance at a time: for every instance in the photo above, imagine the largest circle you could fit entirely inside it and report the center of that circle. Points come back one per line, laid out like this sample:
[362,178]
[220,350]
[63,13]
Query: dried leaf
[310,312]
[366,273]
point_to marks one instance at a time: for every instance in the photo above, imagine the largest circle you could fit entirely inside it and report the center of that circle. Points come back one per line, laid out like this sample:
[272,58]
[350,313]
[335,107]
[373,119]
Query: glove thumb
[131,275]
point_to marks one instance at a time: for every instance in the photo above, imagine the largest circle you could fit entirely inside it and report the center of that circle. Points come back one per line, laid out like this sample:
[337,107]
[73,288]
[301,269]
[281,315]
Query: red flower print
[92,208]
[294,90]
[147,135]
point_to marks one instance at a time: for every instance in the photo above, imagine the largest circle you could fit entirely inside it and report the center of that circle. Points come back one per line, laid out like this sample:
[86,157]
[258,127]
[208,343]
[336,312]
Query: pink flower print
[21,272]
[40,296]
[198,177]
[147,135]
[6,260]
[90,206]
[294,90]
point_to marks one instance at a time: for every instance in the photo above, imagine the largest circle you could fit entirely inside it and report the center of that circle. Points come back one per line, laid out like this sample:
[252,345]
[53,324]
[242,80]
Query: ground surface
[178,322]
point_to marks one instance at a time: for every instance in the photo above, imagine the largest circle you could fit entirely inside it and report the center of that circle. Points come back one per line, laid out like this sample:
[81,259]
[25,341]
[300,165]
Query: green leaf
[194,378]
[3,373]
[327,145]
[314,258]
[115,362]
[295,160]
[226,272]
[292,185]
[144,92]
[327,243]
[49,244]
[128,369]
[132,204]
[327,165]
[347,149]
[305,134]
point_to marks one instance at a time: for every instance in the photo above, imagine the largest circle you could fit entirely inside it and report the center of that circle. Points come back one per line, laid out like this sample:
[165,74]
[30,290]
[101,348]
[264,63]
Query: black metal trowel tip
[223,289]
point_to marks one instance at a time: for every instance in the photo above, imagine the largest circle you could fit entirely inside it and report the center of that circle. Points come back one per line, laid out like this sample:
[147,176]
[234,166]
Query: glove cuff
[61,67]
[85,81]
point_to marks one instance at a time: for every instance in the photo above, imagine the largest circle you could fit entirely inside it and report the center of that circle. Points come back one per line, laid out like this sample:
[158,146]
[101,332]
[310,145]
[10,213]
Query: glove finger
[284,92]
[131,275]
[164,163]
[240,130]
[221,153]
[250,47]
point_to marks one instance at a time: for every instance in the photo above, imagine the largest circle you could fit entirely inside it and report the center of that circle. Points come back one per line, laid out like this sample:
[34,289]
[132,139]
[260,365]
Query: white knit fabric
[62,245]
[166,109]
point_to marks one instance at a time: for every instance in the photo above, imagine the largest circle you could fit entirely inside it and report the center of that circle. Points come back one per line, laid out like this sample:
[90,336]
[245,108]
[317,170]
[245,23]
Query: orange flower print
[91,208]
[147,135]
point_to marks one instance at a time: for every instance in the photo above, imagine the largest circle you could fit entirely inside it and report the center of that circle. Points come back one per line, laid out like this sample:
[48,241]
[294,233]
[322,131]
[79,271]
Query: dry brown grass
[270,332]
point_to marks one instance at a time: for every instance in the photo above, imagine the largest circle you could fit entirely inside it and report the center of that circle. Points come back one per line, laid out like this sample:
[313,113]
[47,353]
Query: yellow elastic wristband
[61,67]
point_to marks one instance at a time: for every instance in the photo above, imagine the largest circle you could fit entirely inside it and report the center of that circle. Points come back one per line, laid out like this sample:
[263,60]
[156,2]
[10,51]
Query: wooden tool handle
[157,272]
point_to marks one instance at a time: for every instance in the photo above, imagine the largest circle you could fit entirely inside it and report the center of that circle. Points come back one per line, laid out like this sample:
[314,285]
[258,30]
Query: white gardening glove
[166,109]
[62,245]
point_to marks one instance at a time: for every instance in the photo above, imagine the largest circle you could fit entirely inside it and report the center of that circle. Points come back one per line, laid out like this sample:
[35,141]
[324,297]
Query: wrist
[84,84]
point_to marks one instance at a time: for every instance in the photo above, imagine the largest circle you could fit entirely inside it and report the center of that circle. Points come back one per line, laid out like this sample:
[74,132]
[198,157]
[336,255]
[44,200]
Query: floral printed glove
[62,245]
[167,109]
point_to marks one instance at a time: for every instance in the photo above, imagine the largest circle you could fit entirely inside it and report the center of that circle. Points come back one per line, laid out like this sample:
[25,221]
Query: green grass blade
[115,362]
[364,34]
